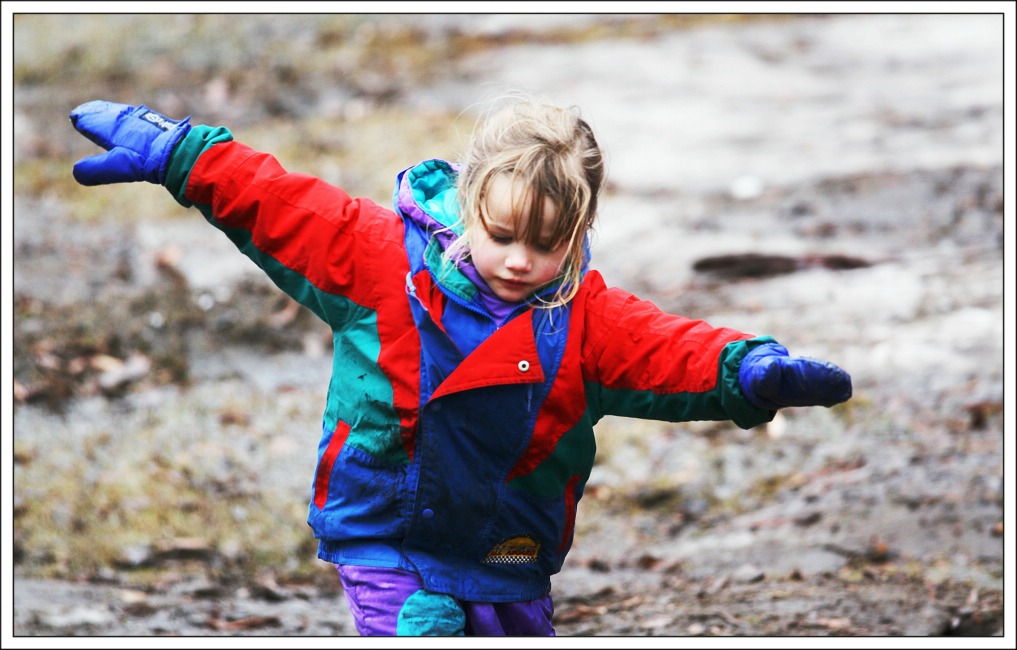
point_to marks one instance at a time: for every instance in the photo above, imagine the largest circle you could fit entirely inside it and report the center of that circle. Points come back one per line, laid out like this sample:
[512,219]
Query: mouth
[514,284]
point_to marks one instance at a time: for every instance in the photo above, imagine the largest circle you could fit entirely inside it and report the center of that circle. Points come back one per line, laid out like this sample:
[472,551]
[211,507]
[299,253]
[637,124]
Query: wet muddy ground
[845,195]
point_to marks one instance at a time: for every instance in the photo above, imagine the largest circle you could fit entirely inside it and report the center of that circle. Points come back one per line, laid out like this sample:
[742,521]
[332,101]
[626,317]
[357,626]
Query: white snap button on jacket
[524,365]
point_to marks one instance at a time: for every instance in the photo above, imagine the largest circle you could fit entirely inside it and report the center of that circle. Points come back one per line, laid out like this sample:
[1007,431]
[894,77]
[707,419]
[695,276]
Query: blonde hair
[549,152]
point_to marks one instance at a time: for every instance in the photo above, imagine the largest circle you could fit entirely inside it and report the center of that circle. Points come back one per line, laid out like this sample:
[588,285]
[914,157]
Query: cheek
[483,256]
[551,266]
[476,245]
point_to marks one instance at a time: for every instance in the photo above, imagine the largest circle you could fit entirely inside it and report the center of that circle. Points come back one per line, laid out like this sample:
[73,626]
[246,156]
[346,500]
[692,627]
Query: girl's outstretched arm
[325,249]
[639,361]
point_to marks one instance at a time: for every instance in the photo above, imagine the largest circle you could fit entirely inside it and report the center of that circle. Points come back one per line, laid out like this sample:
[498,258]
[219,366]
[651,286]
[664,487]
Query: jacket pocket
[355,494]
[323,474]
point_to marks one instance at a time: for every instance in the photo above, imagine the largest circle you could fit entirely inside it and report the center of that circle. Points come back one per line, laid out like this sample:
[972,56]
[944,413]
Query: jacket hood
[428,195]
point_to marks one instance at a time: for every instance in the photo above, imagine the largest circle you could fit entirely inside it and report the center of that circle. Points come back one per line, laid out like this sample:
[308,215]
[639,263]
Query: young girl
[474,352]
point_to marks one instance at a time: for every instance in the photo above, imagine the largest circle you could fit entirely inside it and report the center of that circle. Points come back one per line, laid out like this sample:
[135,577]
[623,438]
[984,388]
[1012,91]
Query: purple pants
[394,602]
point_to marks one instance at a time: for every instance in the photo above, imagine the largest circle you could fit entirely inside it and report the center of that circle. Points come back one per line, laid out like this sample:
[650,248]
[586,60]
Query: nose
[517,258]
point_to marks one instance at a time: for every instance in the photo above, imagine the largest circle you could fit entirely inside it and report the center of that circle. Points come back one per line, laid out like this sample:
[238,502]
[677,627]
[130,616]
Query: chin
[513,295]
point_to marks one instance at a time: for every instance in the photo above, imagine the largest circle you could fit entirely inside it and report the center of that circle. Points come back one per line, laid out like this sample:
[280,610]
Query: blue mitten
[138,141]
[771,379]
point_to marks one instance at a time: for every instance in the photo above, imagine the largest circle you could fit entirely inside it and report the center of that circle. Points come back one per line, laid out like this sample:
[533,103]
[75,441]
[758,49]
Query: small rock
[600,566]
[268,589]
[199,587]
[132,596]
[746,187]
[808,519]
[116,375]
[714,586]
[135,555]
[747,573]
[657,622]
[185,548]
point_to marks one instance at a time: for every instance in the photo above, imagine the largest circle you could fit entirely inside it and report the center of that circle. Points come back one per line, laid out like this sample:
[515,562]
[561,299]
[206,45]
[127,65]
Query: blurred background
[833,180]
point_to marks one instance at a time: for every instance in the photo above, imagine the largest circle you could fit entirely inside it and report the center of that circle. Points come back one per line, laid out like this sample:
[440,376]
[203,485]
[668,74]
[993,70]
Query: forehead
[507,205]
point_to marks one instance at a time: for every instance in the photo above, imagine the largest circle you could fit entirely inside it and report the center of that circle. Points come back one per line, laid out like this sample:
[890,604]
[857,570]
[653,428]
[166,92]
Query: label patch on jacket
[520,549]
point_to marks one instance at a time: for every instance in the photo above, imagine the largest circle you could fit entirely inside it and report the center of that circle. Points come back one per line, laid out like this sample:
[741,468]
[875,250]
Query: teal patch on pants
[426,613]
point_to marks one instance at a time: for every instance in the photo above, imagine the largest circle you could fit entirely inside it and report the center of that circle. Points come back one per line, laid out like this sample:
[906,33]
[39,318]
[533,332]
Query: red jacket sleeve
[639,361]
[312,238]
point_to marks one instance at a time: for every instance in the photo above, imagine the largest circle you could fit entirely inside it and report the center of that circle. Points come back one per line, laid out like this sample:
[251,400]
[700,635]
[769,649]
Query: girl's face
[512,268]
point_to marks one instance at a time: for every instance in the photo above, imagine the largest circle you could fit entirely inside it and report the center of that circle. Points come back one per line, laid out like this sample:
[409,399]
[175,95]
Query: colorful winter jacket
[460,446]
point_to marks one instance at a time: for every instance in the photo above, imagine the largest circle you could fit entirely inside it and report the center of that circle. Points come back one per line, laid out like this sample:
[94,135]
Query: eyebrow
[497,225]
[498,229]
